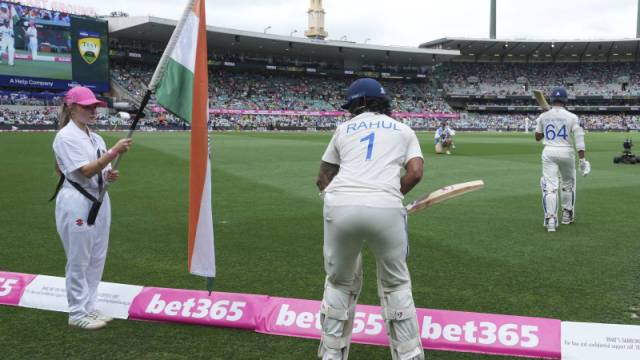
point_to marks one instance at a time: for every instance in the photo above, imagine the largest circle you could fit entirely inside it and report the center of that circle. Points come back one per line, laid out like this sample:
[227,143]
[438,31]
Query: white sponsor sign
[586,341]
[49,293]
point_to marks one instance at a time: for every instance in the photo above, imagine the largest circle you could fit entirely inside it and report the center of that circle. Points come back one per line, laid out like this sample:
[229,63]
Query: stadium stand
[586,79]
[296,90]
[263,91]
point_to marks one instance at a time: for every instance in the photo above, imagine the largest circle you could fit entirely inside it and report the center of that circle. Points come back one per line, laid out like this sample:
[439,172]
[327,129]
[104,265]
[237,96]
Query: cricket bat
[444,194]
[541,100]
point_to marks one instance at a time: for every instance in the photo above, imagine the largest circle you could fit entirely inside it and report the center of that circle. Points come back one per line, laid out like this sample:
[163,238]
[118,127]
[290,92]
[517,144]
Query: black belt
[79,187]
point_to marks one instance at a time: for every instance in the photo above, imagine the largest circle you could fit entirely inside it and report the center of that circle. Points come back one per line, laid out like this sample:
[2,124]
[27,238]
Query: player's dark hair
[375,105]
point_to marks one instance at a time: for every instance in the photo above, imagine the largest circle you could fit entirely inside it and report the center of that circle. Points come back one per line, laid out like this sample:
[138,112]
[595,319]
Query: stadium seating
[303,92]
[519,79]
[259,91]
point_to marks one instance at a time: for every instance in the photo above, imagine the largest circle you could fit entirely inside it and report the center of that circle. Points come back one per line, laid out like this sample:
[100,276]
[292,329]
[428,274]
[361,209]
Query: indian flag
[181,86]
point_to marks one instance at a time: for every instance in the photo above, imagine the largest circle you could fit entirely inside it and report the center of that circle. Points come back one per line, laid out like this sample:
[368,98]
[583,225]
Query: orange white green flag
[180,84]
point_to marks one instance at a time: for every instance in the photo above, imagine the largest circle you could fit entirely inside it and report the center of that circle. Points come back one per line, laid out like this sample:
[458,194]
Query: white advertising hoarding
[587,341]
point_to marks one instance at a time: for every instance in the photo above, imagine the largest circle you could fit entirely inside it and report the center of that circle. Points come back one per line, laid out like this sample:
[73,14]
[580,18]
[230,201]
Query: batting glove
[585,167]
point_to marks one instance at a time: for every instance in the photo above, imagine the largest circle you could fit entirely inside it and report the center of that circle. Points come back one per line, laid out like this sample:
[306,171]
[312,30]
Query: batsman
[361,183]
[555,128]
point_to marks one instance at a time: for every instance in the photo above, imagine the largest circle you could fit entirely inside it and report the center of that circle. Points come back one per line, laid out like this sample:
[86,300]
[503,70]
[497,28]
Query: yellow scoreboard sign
[89,46]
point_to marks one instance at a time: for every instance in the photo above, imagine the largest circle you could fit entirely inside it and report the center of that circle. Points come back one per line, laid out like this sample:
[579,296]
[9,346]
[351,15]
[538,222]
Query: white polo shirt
[74,149]
[6,34]
[371,149]
[32,34]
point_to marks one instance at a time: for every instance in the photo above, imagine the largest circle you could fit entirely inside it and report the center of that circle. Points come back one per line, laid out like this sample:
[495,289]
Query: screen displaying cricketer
[49,49]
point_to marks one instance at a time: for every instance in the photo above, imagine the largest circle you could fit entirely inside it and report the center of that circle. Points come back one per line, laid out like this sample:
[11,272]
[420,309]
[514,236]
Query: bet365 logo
[89,46]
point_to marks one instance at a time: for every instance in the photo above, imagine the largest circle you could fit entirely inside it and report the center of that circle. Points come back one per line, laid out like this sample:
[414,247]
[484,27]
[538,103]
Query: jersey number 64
[551,134]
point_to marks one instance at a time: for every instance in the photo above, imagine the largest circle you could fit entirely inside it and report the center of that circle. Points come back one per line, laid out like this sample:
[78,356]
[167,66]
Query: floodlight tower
[316,21]
[492,26]
[638,21]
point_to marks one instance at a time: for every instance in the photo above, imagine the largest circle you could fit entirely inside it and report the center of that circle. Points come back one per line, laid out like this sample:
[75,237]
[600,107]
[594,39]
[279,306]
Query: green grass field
[484,252]
[40,69]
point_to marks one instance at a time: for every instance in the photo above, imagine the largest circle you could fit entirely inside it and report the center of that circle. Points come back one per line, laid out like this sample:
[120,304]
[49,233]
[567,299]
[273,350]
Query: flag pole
[157,76]
[210,284]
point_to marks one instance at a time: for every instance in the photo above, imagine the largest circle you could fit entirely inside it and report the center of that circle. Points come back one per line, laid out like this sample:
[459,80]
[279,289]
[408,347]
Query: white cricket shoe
[567,216]
[99,315]
[332,354]
[448,152]
[552,224]
[87,323]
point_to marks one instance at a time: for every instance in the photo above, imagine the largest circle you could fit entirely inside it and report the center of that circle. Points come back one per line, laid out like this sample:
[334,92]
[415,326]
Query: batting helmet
[365,88]
[559,94]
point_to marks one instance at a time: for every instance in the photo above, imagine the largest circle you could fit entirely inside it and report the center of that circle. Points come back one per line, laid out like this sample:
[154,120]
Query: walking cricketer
[555,128]
[32,34]
[7,42]
[360,180]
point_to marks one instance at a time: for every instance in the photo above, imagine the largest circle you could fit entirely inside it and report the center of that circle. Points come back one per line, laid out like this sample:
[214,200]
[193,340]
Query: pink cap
[82,96]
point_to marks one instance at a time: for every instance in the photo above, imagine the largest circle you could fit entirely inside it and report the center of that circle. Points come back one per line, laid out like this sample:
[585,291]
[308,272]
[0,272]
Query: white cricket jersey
[558,126]
[6,33]
[447,131]
[372,150]
[32,33]
[74,149]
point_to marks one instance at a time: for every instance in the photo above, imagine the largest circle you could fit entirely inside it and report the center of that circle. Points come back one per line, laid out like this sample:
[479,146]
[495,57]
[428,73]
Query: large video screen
[49,49]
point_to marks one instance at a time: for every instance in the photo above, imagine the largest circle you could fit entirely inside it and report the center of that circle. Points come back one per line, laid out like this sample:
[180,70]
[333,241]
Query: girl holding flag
[83,164]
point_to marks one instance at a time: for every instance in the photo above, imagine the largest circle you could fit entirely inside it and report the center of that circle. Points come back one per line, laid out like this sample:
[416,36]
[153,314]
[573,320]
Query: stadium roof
[147,28]
[518,50]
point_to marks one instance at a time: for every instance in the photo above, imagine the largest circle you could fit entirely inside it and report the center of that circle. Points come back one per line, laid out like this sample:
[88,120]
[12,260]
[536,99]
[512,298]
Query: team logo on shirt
[79,222]
[89,46]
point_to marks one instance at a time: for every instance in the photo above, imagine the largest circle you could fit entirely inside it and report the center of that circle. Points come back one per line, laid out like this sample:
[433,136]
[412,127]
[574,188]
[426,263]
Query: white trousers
[346,228]
[558,174]
[33,46]
[85,247]
[7,46]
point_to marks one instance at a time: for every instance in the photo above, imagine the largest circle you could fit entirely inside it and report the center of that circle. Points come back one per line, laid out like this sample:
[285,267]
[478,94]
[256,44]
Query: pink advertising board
[197,307]
[12,286]
[159,109]
[439,329]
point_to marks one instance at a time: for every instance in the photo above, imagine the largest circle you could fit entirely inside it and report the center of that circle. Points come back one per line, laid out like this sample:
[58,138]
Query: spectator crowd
[277,90]
[581,79]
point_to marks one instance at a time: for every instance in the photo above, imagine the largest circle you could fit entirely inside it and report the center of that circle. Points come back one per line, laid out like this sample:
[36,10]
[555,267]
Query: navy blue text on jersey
[380,124]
